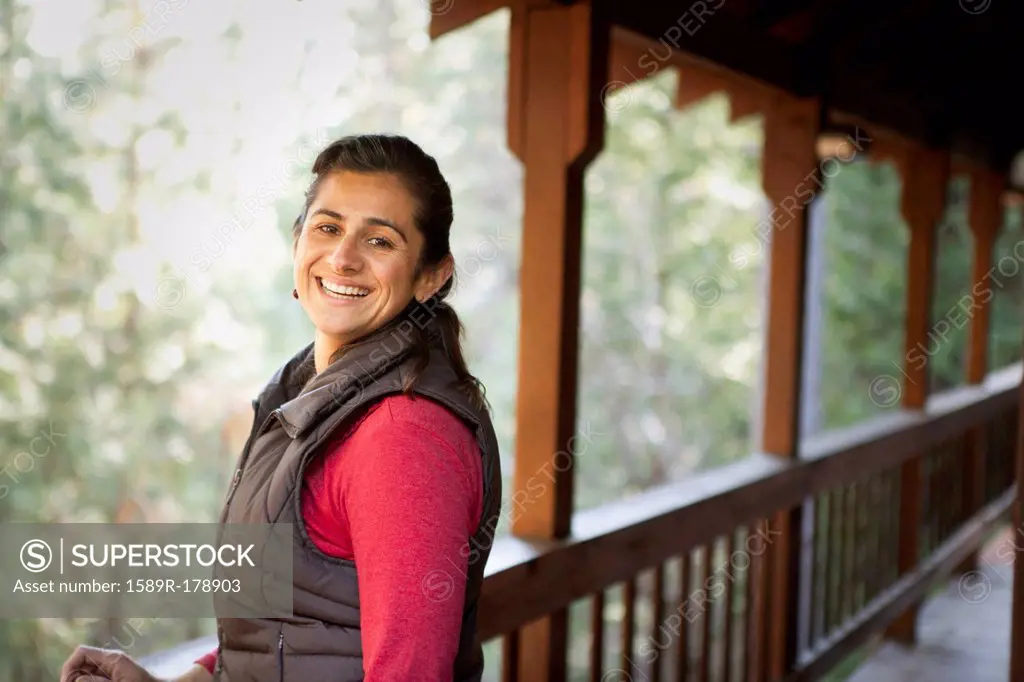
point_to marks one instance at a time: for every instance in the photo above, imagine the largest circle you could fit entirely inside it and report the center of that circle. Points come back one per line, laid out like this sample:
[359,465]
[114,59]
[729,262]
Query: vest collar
[345,381]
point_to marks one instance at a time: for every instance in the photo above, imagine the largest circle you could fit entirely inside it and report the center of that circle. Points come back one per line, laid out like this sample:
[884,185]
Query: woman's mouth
[340,292]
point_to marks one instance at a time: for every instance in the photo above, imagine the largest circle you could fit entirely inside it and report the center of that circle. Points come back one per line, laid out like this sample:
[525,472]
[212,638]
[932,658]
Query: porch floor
[963,632]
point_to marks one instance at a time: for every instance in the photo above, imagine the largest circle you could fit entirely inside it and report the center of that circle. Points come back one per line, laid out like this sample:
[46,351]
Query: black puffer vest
[293,420]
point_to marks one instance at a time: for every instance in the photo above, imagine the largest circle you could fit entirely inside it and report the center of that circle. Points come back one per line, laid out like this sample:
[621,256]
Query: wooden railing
[690,559]
[681,572]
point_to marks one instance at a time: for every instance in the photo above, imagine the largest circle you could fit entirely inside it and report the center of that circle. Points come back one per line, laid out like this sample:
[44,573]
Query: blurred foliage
[109,175]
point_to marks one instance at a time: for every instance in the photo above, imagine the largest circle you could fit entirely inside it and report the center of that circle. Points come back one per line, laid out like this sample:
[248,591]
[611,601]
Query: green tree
[864,293]
[670,338]
[94,350]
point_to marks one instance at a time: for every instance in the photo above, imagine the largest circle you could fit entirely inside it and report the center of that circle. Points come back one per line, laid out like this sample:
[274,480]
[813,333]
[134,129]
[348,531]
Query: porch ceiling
[940,71]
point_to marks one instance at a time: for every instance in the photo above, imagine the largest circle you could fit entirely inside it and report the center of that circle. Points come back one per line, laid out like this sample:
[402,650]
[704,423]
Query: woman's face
[356,257]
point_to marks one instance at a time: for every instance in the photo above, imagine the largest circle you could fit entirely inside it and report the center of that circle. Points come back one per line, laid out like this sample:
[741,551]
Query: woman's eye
[327,228]
[381,242]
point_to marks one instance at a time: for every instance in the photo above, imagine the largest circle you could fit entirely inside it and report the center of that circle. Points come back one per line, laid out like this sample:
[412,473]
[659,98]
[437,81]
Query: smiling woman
[357,256]
[375,442]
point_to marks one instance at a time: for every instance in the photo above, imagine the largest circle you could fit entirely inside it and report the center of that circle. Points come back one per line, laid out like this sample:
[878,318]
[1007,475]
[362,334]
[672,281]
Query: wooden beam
[789,176]
[887,145]
[894,111]
[629,62]
[695,84]
[925,174]
[703,30]
[559,66]
[744,102]
[635,58]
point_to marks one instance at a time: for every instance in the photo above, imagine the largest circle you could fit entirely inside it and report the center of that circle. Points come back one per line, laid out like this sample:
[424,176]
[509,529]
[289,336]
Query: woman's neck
[324,348]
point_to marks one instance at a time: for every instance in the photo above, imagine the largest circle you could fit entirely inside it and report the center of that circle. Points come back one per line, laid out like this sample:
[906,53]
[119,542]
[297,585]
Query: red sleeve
[209,661]
[411,486]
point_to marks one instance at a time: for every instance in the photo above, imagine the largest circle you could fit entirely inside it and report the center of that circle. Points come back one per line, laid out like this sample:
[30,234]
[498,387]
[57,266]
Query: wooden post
[986,217]
[925,174]
[558,66]
[1017,618]
[790,177]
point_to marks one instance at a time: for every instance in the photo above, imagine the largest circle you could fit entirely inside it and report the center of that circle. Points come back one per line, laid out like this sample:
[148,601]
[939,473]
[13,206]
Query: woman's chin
[348,325]
[343,328]
[339,331]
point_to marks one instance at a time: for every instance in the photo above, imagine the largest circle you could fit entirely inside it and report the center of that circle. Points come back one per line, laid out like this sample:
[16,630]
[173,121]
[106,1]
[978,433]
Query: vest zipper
[245,454]
[280,656]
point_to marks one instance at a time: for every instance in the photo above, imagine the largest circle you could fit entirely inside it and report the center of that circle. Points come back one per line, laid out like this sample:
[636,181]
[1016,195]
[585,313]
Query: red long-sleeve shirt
[401,495]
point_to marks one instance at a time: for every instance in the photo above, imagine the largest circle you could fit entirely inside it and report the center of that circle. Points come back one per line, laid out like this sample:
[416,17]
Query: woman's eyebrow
[381,222]
[372,220]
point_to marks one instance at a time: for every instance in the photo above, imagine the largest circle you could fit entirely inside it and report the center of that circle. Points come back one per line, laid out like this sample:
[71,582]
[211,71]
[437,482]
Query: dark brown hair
[433,217]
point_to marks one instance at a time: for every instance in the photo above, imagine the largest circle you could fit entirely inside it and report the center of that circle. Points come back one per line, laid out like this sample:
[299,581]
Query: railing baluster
[954,464]
[991,466]
[874,538]
[1013,425]
[704,662]
[954,458]
[823,546]
[725,635]
[758,633]
[835,560]
[941,491]
[951,510]
[895,507]
[924,522]
[658,608]
[860,545]
[743,634]
[628,624]
[884,518]
[939,502]
[848,582]
[510,657]
[597,636]
[1007,454]
[683,643]
[972,476]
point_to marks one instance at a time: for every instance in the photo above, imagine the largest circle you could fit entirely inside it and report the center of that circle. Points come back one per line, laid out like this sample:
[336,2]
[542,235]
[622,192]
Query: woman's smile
[337,292]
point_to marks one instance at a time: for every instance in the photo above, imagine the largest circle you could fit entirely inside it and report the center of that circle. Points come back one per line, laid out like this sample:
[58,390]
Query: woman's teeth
[342,291]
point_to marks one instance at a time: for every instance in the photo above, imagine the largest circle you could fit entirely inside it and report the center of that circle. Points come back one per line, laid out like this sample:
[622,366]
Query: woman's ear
[433,278]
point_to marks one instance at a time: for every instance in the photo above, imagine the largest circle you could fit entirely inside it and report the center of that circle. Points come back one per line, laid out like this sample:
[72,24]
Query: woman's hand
[89,664]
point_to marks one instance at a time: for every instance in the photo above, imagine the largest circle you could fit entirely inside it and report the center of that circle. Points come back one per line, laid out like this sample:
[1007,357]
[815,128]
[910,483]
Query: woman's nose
[345,257]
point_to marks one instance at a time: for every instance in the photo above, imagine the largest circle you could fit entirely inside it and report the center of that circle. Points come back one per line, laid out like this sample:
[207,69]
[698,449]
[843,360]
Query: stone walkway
[963,632]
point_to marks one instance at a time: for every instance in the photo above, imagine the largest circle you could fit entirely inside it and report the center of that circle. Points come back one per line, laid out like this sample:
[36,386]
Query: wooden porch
[812,556]
[787,564]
